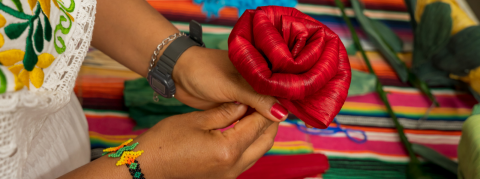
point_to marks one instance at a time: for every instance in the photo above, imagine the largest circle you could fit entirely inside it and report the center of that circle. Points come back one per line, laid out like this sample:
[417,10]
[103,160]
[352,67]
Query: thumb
[221,116]
[268,106]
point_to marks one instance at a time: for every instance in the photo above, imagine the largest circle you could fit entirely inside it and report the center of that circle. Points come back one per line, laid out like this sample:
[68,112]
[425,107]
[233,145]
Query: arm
[190,146]
[130,30]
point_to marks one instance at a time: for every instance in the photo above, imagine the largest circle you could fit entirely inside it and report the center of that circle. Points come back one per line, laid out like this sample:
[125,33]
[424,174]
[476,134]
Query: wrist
[184,64]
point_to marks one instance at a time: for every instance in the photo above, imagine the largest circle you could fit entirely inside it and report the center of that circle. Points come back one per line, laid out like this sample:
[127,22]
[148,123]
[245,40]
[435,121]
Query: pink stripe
[287,133]
[417,100]
[112,125]
[384,148]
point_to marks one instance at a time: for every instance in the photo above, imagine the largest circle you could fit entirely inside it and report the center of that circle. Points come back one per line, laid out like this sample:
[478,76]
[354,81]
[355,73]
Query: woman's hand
[191,146]
[205,78]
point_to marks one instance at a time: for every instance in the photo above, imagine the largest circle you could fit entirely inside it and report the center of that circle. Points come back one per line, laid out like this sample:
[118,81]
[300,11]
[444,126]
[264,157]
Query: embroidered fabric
[24,112]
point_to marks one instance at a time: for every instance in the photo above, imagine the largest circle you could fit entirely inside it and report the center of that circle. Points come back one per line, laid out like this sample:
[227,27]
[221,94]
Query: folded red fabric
[285,53]
[287,166]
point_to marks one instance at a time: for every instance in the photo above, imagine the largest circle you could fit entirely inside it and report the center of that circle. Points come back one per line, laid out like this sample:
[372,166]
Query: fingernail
[236,102]
[278,111]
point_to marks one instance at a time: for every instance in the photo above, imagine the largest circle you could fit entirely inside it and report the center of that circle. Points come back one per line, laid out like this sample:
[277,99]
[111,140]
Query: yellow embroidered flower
[460,19]
[473,78]
[22,77]
[3,21]
[45,5]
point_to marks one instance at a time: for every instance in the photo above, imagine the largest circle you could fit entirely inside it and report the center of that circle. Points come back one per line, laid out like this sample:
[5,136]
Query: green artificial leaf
[366,23]
[351,49]
[433,31]
[48,29]
[387,34]
[435,157]
[13,31]
[462,52]
[362,83]
[38,37]
[411,6]
[414,170]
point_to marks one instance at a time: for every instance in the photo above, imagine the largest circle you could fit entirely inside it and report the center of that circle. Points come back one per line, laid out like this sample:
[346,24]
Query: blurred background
[362,142]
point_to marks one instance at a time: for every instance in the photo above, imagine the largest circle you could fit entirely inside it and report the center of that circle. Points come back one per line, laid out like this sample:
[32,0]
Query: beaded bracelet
[127,157]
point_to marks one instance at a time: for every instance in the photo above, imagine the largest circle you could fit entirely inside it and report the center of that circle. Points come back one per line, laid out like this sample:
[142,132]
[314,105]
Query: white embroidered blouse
[43,131]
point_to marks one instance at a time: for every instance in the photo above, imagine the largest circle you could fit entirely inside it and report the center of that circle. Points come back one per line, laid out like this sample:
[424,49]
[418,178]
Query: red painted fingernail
[236,102]
[278,111]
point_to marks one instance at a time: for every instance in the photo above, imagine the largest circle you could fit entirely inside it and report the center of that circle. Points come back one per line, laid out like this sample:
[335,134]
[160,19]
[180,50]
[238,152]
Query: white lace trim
[23,113]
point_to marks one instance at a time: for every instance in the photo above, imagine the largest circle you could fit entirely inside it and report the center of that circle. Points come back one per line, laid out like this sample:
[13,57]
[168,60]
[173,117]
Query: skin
[204,78]
[189,145]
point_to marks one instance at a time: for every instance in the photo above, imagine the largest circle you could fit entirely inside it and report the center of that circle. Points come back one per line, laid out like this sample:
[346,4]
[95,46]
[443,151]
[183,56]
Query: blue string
[212,7]
[330,131]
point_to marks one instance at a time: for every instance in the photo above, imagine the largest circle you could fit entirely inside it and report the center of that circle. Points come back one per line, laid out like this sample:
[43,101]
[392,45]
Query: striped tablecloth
[101,81]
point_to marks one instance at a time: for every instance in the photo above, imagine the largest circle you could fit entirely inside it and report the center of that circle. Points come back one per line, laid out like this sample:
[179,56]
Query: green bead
[121,150]
[133,166]
[137,175]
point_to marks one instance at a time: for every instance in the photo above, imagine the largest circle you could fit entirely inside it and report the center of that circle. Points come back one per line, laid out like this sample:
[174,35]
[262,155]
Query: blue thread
[331,130]
[212,7]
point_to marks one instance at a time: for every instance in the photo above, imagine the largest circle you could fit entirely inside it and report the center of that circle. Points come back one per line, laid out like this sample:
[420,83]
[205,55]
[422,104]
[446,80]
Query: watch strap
[173,52]
[160,78]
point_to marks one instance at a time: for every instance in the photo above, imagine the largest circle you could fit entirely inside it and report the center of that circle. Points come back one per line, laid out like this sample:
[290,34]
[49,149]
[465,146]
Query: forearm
[105,167]
[129,31]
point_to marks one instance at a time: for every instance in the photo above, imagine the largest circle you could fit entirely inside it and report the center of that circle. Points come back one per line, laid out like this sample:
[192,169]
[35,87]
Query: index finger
[245,132]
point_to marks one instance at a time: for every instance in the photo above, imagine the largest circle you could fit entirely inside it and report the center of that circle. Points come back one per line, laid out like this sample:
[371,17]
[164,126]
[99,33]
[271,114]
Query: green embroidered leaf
[390,38]
[63,30]
[462,52]
[70,8]
[30,59]
[3,82]
[366,23]
[13,31]
[48,29]
[434,30]
[38,37]
[18,4]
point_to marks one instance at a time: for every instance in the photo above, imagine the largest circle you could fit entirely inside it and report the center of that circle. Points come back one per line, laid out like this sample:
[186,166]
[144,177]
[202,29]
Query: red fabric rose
[287,54]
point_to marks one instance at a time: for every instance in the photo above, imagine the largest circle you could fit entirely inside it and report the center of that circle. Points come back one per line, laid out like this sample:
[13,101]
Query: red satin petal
[284,53]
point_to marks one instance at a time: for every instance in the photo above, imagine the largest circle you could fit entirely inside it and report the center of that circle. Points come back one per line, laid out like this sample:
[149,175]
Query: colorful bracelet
[127,157]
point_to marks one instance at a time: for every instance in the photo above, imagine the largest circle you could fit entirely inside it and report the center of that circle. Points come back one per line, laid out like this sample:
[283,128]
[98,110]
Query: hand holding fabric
[192,146]
[206,78]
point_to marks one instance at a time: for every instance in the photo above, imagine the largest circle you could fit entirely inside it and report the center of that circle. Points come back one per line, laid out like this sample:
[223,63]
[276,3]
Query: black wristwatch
[160,77]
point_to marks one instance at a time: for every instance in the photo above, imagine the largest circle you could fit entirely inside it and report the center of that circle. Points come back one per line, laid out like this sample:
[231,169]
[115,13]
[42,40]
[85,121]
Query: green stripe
[3,82]
[344,168]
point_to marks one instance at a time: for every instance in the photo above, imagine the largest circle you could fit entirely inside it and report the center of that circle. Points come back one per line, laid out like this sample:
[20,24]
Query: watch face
[159,86]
